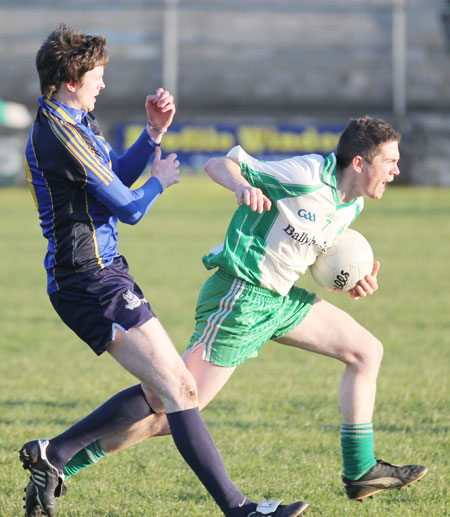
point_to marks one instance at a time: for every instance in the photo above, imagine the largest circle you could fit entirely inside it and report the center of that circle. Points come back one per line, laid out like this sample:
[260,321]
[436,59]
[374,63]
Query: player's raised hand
[366,286]
[167,169]
[252,197]
[160,109]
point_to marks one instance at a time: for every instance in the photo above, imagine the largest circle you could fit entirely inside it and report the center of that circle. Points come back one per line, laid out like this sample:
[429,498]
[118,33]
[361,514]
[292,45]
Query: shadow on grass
[38,403]
[306,420]
[30,408]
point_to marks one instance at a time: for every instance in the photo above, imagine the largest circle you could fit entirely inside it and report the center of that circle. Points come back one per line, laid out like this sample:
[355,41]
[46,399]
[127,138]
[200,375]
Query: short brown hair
[65,56]
[362,137]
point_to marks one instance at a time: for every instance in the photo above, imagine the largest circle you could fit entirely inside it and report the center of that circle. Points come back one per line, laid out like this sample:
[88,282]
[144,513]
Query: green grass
[277,421]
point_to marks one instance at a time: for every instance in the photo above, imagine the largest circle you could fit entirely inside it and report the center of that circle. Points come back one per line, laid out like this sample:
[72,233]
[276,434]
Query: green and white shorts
[234,319]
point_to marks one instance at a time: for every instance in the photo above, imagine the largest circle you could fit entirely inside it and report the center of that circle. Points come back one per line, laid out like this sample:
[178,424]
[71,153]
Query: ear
[71,87]
[357,163]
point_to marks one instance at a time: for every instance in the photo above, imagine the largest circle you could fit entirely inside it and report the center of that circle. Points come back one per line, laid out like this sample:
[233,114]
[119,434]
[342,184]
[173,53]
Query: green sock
[357,449]
[82,459]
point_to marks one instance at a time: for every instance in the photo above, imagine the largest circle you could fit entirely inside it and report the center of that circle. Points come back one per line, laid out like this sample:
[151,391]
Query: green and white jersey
[272,249]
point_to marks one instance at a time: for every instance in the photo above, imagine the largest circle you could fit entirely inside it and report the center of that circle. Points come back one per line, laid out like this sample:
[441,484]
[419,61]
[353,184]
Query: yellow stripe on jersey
[100,137]
[59,110]
[67,117]
[58,129]
[30,183]
[53,229]
[59,136]
[94,237]
[73,141]
[73,138]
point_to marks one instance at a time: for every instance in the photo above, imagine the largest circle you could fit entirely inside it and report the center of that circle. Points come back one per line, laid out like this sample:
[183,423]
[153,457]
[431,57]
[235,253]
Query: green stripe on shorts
[234,318]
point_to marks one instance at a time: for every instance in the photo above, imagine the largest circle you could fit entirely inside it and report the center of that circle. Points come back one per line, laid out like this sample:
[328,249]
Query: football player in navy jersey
[82,188]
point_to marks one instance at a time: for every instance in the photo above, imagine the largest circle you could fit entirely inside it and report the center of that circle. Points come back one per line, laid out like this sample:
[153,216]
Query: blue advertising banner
[196,143]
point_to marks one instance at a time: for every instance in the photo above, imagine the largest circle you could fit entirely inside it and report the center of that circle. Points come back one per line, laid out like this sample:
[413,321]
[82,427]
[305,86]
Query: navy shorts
[98,303]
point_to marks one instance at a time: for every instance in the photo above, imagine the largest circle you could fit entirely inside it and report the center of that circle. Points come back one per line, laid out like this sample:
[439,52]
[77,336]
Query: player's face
[382,170]
[87,91]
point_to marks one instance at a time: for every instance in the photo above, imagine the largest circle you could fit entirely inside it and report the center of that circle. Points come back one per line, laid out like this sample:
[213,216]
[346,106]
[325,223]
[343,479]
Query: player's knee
[178,391]
[153,400]
[368,353]
[379,350]
[185,390]
[371,353]
[189,389]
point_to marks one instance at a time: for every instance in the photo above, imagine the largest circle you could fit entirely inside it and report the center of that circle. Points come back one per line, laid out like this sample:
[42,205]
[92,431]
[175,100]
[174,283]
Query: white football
[344,264]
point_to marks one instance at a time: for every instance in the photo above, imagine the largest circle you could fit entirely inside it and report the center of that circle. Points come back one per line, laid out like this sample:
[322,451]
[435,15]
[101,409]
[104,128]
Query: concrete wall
[311,55]
[278,61]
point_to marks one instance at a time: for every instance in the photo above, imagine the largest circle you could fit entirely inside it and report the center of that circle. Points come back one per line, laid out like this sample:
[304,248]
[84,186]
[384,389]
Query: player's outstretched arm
[368,285]
[227,172]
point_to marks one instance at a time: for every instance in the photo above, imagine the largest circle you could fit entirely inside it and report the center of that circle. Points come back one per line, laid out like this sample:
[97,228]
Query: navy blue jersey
[82,188]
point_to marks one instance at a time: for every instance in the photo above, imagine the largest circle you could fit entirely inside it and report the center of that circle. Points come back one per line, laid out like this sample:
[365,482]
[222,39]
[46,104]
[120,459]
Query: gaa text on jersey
[309,216]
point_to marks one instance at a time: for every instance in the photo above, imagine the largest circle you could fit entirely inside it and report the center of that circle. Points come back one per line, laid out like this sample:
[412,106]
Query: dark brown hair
[362,137]
[65,56]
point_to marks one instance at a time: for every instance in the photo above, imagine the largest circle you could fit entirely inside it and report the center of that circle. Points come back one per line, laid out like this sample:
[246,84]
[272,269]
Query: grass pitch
[277,421]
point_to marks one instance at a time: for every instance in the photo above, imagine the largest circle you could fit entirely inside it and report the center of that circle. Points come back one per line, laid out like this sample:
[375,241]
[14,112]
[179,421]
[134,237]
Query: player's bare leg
[209,378]
[330,331]
[327,330]
[149,427]
[148,353]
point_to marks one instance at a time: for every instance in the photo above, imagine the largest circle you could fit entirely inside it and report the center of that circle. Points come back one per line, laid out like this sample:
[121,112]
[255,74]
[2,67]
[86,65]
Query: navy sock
[192,438]
[119,412]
